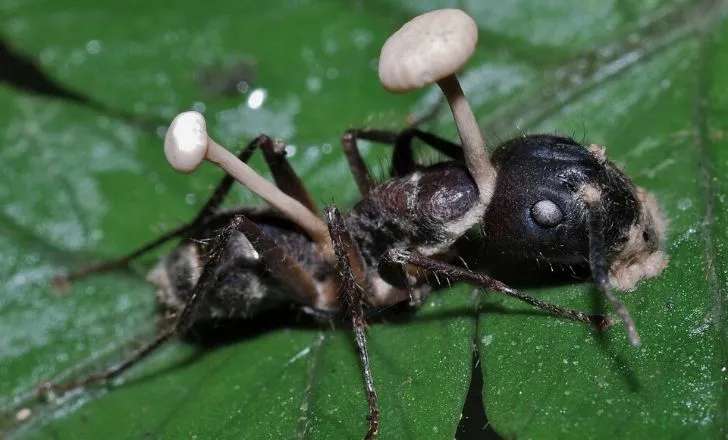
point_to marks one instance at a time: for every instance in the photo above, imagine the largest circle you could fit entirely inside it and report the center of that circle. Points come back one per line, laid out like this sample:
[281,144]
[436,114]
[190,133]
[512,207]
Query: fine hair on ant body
[540,197]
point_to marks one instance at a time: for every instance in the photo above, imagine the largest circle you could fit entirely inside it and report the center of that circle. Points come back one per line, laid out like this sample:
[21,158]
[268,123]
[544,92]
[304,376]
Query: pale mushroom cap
[185,144]
[426,49]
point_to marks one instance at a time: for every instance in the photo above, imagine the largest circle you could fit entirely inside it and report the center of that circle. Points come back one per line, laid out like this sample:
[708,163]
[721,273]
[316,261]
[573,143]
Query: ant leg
[60,281]
[403,157]
[281,266]
[286,179]
[403,161]
[600,271]
[351,150]
[350,268]
[402,257]
[282,173]
[284,269]
[209,208]
[358,168]
[203,286]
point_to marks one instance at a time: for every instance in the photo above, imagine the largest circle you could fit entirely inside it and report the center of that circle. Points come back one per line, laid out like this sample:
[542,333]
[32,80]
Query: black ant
[542,197]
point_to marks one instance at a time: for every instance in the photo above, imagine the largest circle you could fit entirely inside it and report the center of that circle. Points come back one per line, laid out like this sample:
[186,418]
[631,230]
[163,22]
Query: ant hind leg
[202,288]
[283,267]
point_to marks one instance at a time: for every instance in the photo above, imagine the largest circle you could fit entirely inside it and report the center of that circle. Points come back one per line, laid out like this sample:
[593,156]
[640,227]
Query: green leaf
[83,182]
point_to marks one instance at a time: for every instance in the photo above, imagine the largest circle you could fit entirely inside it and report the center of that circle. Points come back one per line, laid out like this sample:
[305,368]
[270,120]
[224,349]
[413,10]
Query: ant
[540,197]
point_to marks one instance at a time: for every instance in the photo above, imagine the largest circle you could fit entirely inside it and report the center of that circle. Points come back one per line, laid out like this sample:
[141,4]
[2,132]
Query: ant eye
[545,213]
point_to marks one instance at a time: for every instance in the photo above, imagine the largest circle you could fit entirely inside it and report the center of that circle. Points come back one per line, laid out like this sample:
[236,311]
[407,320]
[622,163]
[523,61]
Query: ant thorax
[425,211]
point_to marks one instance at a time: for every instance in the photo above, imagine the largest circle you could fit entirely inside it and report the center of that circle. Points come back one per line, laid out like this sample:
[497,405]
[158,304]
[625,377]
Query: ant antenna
[431,48]
[598,260]
[187,144]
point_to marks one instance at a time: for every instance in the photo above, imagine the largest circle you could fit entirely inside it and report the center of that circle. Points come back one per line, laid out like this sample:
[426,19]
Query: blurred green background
[83,177]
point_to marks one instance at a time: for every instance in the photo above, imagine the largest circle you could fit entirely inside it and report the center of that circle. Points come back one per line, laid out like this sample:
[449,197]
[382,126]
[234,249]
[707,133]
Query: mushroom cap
[186,141]
[426,49]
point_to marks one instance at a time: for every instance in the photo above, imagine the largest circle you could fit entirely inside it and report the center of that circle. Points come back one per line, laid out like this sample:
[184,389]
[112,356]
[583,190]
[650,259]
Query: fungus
[187,144]
[429,49]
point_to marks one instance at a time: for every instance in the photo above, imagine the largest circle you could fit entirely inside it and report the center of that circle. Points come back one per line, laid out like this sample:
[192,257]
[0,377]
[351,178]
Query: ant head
[540,210]
[561,203]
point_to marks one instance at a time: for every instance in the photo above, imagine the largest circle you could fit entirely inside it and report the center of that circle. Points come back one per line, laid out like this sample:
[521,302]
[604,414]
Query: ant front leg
[403,161]
[356,163]
[280,265]
[351,270]
[285,178]
[402,257]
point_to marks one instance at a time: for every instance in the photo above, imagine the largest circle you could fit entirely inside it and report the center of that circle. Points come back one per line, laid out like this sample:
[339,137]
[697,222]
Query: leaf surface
[86,179]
